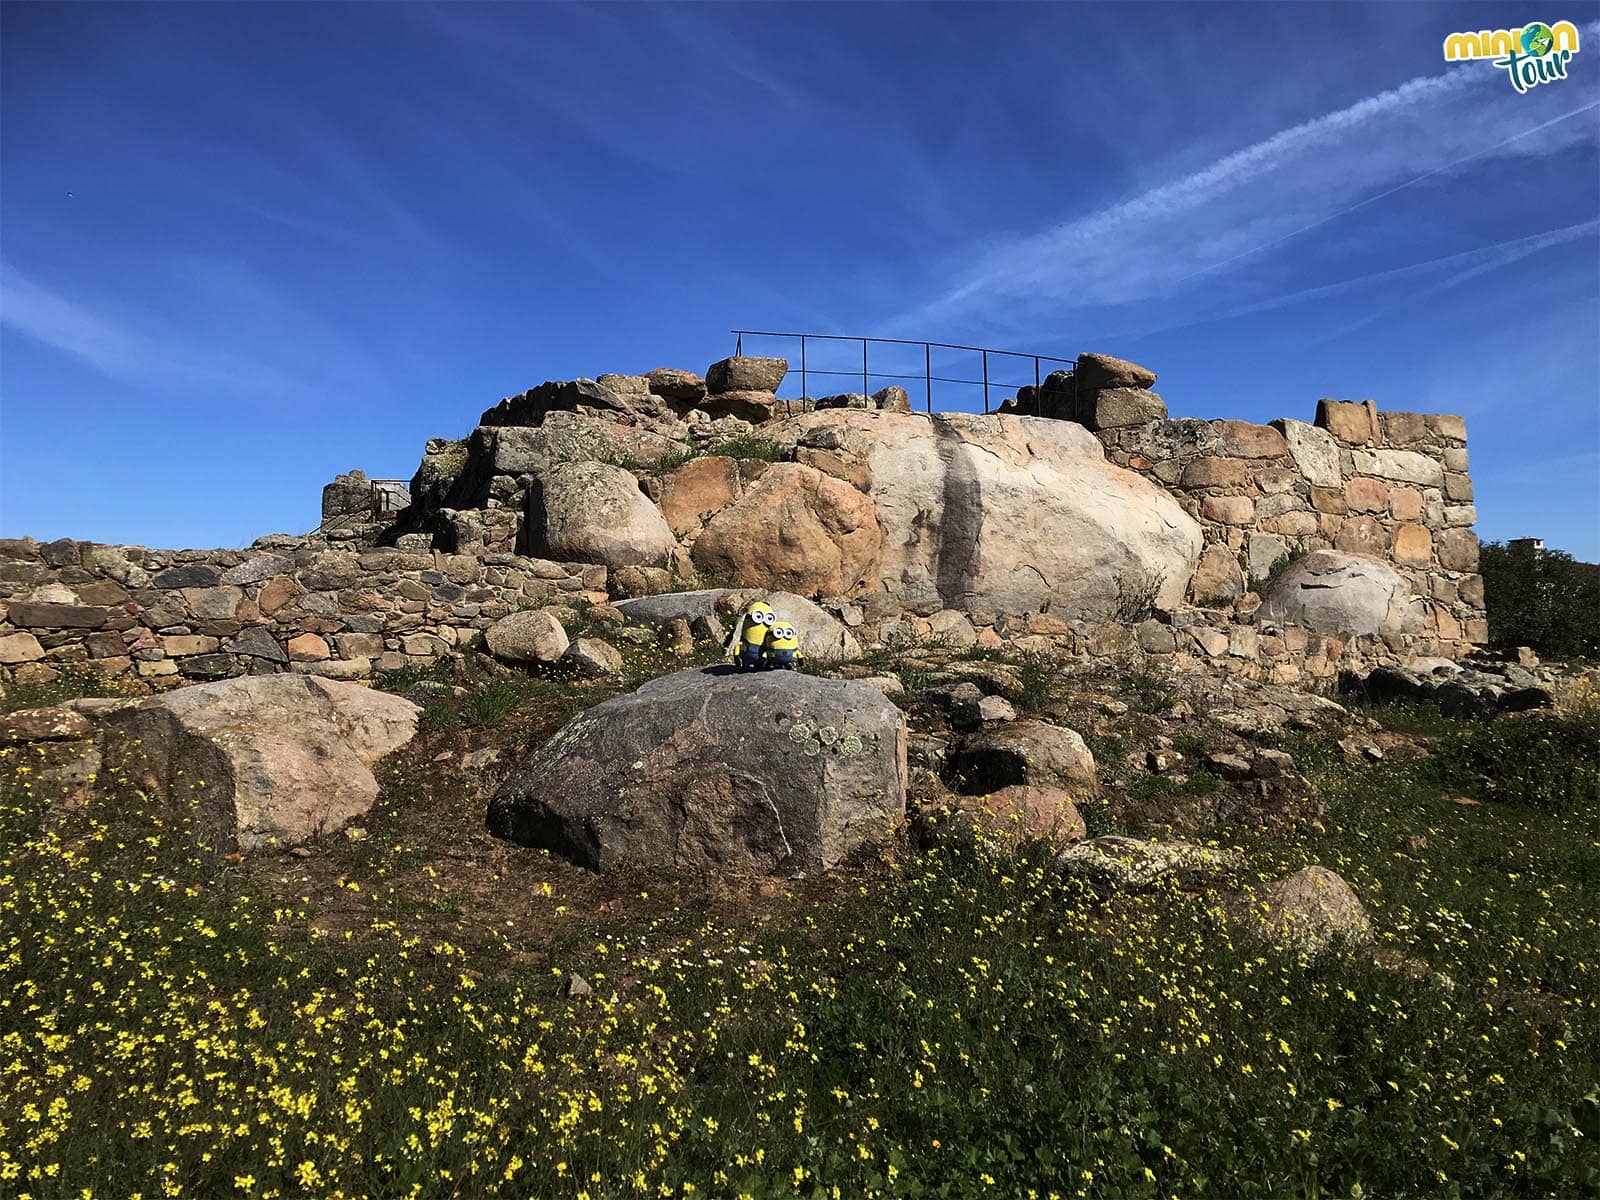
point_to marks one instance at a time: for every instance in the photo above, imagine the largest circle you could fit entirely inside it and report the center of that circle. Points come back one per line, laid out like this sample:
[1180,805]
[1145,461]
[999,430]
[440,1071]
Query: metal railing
[388,497]
[866,374]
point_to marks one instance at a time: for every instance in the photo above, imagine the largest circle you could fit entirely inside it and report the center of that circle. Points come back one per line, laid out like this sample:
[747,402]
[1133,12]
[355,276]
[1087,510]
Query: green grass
[961,1024]
[75,681]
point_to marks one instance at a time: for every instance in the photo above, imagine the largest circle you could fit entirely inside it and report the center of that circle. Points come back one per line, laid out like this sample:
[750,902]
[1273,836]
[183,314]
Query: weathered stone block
[746,374]
[1406,466]
[1329,500]
[308,647]
[1413,546]
[1230,510]
[194,575]
[50,615]
[1402,428]
[214,603]
[1241,439]
[275,593]
[1296,524]
[1363,535]
[1458,550]
[1348,420]
[1456,487]
[1448,425]
[1366,495]
[20,648]
[1405,504]
[1096,371]
[1315,453]
[1216,472]
[182,646]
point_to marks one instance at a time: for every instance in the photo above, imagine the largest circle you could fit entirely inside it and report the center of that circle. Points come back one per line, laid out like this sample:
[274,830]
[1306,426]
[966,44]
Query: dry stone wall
[1392,486]
[287,604]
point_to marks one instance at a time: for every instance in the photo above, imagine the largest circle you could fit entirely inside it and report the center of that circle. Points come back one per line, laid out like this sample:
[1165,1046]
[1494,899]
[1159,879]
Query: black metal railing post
[865,390]
[1038,400]
[986,383]
[927,370]
[803,390]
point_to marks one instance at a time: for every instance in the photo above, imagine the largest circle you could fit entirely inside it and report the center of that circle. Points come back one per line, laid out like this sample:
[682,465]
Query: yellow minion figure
[753,633]
[782,651]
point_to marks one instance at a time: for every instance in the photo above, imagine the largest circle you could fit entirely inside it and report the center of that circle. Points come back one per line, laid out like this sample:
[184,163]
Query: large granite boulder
[1311,909]
[593,512]
[529,636]
[1024,752]
[263,760]
[1329,591]
[796,529]
[1096,371]
[746,374]
[1008,514]
[772,773]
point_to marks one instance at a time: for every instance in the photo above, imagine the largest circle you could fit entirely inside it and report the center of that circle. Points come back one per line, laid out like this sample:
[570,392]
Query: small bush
[749,446]
[1040,682]
[1547,762]
[1150,693]
[1137,593]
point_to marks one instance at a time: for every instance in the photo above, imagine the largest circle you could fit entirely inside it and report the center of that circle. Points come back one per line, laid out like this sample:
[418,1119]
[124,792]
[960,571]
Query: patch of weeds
[977,653]
[668,463]
[77,681]
[1150,693]
[1039,682]
[1137,593]
[491,705]
[1545,762]
[1279,565]
[436,716]
[750,446]
[894,654]
[406,678]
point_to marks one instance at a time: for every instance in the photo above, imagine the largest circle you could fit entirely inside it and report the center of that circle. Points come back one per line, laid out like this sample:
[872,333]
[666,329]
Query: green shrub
[1040,682]
[1541,598]
[750,446]
[1543,761]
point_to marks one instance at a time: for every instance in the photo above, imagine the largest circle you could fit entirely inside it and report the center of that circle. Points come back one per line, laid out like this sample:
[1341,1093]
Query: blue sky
[245,248]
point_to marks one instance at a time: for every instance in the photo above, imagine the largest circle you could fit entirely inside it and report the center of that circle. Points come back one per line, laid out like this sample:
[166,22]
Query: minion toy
[753,636]
[783,648]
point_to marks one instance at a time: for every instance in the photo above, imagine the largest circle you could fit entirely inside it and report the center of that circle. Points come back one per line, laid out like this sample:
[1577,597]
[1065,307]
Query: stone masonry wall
[1389,485]
[288,604]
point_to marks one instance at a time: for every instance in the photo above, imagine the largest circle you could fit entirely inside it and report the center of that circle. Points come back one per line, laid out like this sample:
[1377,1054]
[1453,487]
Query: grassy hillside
[391,1016]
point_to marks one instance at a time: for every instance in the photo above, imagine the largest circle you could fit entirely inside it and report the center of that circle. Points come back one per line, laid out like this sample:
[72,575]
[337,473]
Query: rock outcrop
[711,770]
[266,760]
[1007,514]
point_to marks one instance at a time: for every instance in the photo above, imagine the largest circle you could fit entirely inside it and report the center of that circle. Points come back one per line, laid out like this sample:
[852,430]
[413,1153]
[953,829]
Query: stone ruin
[1080,518]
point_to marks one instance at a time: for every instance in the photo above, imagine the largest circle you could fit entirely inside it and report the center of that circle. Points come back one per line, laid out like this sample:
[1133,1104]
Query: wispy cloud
[1172,237]
[1451,269]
